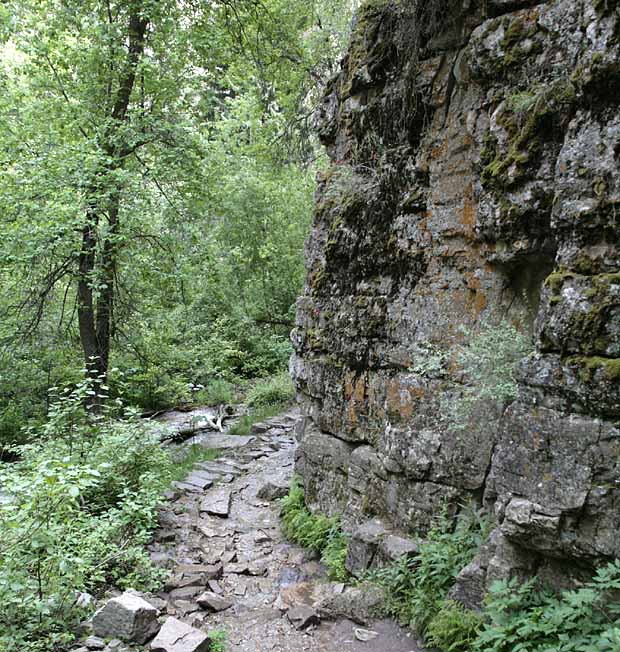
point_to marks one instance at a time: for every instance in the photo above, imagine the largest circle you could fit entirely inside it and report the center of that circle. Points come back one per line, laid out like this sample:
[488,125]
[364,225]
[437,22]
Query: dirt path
[222,529]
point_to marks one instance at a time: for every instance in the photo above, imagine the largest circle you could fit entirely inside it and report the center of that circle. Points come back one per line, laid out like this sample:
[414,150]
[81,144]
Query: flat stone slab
[217,502]
[225,442]
[207,475]
[185,486]
[199,481]
[176,636]
[218,468]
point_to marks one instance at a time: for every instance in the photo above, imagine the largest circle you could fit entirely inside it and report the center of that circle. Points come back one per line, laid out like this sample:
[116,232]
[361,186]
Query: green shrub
[152,388]
[12,425]
[245,423]
[525,618]
[218,640]
[217,392]
[272,391]
[82,502]
[334,554]
[316,532]
[417,587]
[488,360]
[454,628]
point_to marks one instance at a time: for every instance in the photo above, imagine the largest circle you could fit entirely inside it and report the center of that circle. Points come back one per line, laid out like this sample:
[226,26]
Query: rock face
[475,177]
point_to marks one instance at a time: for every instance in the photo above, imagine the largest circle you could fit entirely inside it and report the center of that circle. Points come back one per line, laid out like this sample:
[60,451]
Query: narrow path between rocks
[233,570]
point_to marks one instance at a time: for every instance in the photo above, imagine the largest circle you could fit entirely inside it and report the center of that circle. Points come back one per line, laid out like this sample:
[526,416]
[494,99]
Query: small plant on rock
[488,360]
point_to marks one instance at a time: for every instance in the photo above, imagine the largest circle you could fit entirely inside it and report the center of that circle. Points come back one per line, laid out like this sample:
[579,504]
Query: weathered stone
[226,442]
[217,502]
[215,587]
[302,616]
[205,571]
[198,479]
[128,617]
[393,548]
[176,636]
[500,203]
[213,601]
[363,546]
[361,604]
[272,491]
[94,643]
[186,592]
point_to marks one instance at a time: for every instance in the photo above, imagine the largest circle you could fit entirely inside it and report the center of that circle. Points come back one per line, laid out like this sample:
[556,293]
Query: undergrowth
[514,618]
[78,509]
[245,423]
[417,587]
[275,390]
[218,640]
[526,618]
[316,532]
[192,456]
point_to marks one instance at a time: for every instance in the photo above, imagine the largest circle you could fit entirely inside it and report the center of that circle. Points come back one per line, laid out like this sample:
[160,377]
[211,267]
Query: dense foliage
[417,586]
[524,617]
[156,167]
[75,513]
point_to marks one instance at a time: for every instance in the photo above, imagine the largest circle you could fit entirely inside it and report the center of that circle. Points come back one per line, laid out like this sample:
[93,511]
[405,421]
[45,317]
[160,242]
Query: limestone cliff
[475,176]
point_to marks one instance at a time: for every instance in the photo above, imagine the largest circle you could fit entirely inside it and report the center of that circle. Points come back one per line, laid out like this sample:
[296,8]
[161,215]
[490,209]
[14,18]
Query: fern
[316,532]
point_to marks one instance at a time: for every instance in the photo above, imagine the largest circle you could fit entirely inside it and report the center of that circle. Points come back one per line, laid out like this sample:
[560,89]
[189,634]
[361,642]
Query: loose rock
[217,503]
[128,617]
[302,616]
[214,602]
[176,636]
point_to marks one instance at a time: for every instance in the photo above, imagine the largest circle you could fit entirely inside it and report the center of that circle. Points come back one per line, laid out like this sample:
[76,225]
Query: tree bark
[99,256]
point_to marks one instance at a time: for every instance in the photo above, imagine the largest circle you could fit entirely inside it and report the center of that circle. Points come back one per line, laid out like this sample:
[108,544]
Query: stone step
[198,480]
[219,468]
[185,486]
[217,502]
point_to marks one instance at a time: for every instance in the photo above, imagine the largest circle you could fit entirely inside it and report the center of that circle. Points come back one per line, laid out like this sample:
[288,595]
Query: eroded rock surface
[495,195]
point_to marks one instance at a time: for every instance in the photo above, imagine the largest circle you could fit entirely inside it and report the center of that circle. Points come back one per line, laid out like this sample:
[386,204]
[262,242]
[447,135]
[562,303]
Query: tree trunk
[85,307]
[98,258]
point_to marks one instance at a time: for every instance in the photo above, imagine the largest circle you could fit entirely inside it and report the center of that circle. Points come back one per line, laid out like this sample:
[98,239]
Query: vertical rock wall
[486,187]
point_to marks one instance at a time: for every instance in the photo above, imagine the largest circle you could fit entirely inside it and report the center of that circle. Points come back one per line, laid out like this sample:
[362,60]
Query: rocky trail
[232,569]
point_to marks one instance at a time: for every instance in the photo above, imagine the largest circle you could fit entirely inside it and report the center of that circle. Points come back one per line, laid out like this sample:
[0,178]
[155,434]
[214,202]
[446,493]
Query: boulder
[176,636]
[302,616]
[128,617]
[361,604]
[213,601]
[272,491]
[364,545]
